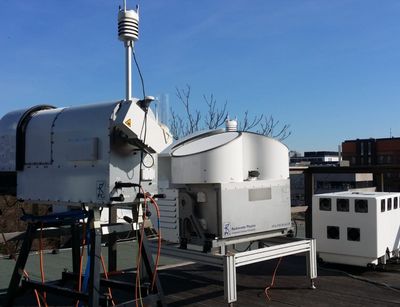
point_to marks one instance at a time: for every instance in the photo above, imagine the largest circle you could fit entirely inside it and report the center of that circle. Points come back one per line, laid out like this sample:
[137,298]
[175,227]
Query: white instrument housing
[75,155]
[230,184]
[356,228]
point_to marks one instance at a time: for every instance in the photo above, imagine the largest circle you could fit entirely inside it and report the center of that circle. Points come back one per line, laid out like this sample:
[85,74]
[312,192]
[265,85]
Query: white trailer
[356,228]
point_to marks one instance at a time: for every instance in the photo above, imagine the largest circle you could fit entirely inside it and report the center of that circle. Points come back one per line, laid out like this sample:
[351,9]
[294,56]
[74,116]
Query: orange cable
[81,259]
[25,273]
[6,245]
[41,263]
[106,275]
[159,241]
[140,250]
[35,291]
[273,279]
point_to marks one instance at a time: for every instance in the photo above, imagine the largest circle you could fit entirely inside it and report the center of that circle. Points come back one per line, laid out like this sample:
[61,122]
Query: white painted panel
[8,132]
[38,137]
[201,144]
[82,149]
[379,231]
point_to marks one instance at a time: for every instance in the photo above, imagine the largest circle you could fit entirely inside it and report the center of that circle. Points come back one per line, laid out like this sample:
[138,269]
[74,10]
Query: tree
[193,120]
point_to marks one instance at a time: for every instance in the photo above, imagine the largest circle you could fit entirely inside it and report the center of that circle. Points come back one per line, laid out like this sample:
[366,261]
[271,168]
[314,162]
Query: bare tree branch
[268,129]
[191,120]
[192,117]
[215,117]
[246,124]
[283,134]
[176,125]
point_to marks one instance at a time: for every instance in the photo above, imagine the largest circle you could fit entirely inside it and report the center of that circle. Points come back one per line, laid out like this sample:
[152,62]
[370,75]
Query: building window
[362,148]
[332,232]
[383,205]
[361,205]
[369,148]
[395,203]
[380,159]
[389,204]
[342,205]
[325,204]
[353,234]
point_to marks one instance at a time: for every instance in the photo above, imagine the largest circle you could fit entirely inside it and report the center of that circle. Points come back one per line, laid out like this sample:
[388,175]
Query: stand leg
[75,244]
[149,266]
[20,265]
[112,252]
[95,253]
[230,279]
[112,242]
[311,259]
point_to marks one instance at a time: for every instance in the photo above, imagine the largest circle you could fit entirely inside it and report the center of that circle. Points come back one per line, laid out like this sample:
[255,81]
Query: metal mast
[128,32]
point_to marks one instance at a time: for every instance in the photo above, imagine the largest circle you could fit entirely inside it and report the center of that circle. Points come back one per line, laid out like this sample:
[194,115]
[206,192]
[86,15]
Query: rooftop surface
[191,284]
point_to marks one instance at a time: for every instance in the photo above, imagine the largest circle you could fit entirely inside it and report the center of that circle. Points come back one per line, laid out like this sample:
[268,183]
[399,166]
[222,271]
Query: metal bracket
[280,247]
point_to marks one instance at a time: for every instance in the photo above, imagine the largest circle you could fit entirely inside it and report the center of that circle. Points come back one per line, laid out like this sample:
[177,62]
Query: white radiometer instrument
[82,155]
[224,184]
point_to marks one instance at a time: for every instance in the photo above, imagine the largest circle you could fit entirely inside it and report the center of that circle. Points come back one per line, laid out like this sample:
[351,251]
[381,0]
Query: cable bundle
[138,295]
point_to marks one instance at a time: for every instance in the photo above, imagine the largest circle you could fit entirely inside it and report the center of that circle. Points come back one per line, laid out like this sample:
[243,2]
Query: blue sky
[330,69]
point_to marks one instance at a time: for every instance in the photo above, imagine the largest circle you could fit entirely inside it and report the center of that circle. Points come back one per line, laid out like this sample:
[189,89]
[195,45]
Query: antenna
[128,32]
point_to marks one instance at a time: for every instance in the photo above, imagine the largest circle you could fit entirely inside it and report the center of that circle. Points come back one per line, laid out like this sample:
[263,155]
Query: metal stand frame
[94,296]
[229,261]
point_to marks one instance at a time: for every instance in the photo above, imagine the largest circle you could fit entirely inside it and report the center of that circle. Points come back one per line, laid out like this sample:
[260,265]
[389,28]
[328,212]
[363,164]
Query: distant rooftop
[374,139]
[316,158]
[320,153]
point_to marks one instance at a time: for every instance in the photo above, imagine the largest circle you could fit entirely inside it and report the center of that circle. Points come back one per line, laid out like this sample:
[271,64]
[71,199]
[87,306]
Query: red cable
[159,241]
[35,291]
[6,245]
[140,250]
[81,259]
[146,195]
[25,273]
[41,262]
[106,275]
[273,280]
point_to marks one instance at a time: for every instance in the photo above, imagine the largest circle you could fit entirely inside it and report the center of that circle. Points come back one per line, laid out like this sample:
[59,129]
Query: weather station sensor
[128,32]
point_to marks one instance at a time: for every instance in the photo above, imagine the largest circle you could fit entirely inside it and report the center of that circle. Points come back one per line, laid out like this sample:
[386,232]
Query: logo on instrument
[100,190]
[227,229]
